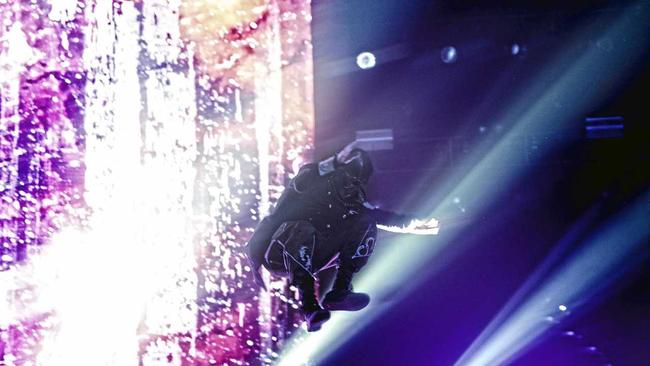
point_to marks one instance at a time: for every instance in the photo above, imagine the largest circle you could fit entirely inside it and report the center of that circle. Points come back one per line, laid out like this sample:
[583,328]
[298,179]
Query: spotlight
[515,49]
[580,276]
[604,127]
[562,308]
[550,319]
[366,60]
[448,54]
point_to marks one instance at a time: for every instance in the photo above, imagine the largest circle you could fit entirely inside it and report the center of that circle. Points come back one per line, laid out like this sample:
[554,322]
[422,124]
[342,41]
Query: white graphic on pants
[305,258]
[365,248]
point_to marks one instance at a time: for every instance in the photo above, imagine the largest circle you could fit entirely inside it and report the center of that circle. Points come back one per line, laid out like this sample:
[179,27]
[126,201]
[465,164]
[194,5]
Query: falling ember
[138,153]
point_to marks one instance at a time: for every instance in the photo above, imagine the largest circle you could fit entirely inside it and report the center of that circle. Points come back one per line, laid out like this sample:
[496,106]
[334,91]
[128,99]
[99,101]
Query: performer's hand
[423,227]
[415,226]
[342,155]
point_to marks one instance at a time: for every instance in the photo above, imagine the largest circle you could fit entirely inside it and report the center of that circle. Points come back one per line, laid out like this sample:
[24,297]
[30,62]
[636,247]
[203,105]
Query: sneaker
[345,300]
[316,318]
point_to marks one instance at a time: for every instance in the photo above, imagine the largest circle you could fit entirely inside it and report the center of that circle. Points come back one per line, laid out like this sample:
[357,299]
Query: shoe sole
[313,327]
[344,306]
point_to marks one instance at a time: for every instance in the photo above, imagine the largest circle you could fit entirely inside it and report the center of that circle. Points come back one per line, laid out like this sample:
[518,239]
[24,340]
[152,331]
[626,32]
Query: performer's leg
[314,314]
[290,254]
[358,246]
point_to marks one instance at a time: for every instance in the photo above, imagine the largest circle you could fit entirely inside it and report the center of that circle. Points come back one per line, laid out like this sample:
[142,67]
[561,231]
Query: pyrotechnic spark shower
[138,151]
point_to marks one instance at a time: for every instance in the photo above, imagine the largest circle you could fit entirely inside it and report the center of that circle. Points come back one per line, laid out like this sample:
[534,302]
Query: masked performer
[323,220]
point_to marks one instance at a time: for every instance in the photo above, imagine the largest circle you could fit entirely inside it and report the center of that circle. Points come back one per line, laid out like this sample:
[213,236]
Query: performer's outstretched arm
[401,223]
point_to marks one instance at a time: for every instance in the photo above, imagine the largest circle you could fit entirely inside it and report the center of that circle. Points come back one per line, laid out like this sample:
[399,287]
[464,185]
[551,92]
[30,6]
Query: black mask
[351,175]
[357,166]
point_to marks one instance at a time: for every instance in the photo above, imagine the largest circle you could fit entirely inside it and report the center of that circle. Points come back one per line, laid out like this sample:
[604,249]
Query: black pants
[298,250]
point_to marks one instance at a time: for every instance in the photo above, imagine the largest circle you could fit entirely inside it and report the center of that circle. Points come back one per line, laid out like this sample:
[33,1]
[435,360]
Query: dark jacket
[314,196]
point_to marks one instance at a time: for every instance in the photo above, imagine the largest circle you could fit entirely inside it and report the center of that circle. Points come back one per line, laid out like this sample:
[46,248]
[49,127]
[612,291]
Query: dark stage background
[438,113]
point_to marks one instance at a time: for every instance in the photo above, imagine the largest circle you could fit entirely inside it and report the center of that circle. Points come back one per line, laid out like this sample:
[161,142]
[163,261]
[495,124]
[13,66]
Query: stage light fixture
[603,257]
[449,54]
[366,60]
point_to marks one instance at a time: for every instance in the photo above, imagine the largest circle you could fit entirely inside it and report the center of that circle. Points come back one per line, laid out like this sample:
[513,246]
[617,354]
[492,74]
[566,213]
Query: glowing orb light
[449,55]
[366,60]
